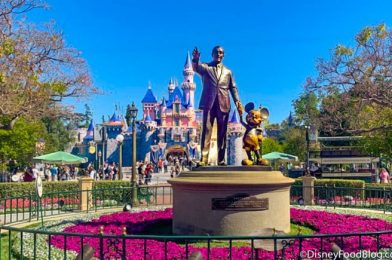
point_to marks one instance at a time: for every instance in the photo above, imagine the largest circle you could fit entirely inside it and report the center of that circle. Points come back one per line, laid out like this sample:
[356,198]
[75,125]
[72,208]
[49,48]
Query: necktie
[218,70]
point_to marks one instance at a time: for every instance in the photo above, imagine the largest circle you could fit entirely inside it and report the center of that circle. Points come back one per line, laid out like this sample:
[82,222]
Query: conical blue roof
[148,118]
[176,92]
[149,97]
[188,62]
[234,118]
[115,118]
[90,131]
[90,127]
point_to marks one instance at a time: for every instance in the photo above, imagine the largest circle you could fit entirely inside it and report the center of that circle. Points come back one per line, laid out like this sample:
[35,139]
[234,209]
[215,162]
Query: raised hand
[196,54]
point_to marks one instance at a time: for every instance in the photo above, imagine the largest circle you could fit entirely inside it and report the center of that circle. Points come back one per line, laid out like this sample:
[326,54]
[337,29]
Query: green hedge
[12,189]
[379,185]
[18,189]
[324,188]
[112,190]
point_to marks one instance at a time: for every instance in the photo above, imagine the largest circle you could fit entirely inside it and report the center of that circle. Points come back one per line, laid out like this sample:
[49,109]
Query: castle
[170,126]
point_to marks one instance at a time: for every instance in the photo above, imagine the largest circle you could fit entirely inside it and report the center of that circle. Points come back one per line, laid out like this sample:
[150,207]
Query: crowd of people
[51,173]
[108,171]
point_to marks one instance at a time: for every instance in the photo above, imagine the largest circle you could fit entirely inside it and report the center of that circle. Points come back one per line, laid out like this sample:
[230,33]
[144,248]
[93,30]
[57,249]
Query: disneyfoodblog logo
[312,254]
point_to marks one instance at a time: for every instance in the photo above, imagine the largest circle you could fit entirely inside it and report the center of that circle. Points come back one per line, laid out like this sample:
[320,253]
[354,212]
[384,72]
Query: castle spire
[188,86]
[234,118]
[171,86]
[188,62]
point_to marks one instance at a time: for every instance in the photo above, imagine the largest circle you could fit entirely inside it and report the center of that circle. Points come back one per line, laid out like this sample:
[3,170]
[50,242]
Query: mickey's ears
[264,113]
[250,106]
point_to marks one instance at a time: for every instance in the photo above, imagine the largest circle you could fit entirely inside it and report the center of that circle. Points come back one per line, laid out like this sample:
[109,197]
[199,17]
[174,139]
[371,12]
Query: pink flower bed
[135,223]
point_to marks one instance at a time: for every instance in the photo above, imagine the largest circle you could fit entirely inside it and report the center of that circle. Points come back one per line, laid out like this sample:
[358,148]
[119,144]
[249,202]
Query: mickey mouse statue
[253,136]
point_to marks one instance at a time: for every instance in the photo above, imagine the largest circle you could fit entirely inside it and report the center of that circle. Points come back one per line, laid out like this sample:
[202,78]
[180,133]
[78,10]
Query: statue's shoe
[247,162]
[200,164]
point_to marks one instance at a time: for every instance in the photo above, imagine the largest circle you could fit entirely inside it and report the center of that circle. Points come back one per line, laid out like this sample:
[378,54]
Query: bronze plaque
[239,202]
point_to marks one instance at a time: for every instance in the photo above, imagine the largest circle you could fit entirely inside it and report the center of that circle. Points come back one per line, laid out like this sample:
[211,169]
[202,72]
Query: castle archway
[176,151]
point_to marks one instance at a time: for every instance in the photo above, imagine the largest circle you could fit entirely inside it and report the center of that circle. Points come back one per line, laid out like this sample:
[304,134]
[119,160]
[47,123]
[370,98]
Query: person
[177,169]
[54,172]
[147,173]
[140,172]
[171,170]
[384,176]
[217,81]
[115,171]
[28,175]
[92,172]
[35,172]
[282,169]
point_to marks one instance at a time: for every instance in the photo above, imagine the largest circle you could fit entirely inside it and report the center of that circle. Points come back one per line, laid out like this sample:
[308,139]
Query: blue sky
[271,46]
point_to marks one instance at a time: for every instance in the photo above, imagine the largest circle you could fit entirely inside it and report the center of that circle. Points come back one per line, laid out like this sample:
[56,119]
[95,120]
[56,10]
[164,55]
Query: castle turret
[235,152]
[149,123]
[149,103]
[188,86]
[90,132]
[163,112]
[171,86]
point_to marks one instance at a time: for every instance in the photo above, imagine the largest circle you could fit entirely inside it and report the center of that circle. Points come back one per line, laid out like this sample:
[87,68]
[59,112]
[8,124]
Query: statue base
[230,200]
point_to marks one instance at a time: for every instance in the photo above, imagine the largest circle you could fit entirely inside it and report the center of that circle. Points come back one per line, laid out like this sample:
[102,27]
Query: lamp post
[307,171]
[133,114]
[99,160]
[120,140]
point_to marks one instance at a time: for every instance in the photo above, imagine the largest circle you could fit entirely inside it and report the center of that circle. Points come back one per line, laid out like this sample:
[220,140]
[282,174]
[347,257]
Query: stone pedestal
[230,201]
[85,187]
[308,189]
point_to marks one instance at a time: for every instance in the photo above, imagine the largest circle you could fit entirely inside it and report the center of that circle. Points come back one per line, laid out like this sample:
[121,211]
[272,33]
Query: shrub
[19,189]
[328,188]
[112,190]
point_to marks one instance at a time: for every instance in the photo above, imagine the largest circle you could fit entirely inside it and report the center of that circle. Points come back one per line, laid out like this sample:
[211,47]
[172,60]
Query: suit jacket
[216,85]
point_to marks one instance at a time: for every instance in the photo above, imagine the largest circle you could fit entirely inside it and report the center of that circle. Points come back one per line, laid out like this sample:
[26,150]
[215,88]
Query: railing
[30,207]
[138,246]
[349,197]
[26,208]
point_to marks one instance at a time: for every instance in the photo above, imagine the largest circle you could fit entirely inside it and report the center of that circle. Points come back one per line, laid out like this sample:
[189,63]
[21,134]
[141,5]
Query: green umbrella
[280,156]
[60,158]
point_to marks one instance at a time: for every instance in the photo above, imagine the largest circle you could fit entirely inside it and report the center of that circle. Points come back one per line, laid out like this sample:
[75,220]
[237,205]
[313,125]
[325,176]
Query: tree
[19,143]
[306,109]
[88,115]
[271,145]
[295,142]
[37,69]
[378,143]
[59,134]
[354,80]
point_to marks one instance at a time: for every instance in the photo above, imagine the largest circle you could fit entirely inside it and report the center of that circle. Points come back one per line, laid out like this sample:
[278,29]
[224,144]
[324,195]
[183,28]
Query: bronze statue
[217,81]
[253,137]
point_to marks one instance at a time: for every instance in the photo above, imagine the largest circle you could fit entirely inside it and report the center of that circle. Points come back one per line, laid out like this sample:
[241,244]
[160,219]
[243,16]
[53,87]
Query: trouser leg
[208,121]
[222,119]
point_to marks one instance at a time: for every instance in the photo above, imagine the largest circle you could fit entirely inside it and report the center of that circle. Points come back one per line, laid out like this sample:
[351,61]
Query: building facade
[169,127]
